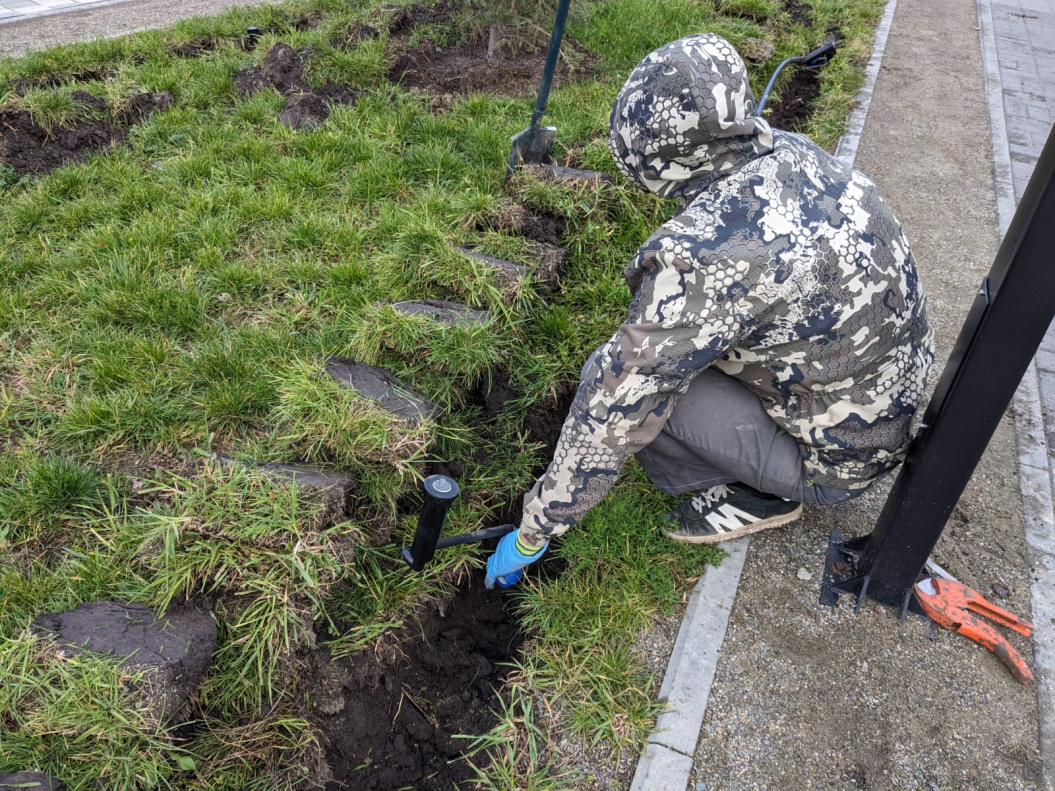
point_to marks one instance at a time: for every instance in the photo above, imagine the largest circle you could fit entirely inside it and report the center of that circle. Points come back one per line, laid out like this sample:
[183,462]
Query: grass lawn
[176,297]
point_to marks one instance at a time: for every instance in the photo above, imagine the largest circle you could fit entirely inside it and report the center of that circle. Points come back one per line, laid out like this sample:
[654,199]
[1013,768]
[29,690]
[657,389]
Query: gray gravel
[17,38]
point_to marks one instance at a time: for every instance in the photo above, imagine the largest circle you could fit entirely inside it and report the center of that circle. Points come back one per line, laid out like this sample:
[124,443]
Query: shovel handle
[551,62]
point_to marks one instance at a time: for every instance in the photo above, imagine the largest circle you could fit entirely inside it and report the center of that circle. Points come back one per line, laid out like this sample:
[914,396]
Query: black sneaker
[725,512]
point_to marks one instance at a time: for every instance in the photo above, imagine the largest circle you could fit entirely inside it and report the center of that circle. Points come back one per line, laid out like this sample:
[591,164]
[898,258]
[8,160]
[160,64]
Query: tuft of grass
[322,418]
[621,573]
[233,533]
[42,495]
[75,717]
[516,751]
[55,110]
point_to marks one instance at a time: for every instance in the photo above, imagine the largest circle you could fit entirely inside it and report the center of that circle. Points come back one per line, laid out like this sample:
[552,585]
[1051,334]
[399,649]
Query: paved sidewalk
[1025,47]
[17,10]
[1018,43]
[86,20]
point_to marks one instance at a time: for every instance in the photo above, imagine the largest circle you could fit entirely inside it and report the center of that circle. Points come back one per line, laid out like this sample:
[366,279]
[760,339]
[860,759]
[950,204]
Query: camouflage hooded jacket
[785,269]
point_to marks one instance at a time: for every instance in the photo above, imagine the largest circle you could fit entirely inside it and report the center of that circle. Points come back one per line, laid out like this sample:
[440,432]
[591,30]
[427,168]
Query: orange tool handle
[979,604]
[985,634]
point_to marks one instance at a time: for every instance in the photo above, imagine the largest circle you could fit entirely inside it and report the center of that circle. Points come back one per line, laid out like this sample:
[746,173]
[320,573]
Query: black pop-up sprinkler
[252,37]
[440,492]
[814,60]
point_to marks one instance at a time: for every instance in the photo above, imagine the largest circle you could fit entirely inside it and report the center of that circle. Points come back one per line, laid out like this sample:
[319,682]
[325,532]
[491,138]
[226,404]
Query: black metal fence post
[1006,324]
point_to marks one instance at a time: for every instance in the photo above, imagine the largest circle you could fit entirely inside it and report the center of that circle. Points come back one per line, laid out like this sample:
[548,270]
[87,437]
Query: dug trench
[406,720]
[404,716]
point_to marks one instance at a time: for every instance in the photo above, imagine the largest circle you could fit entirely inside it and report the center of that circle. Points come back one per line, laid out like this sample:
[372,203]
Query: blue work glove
[506,565]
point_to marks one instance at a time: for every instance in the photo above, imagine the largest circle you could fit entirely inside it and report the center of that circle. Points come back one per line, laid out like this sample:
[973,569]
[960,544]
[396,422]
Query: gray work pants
[719,433]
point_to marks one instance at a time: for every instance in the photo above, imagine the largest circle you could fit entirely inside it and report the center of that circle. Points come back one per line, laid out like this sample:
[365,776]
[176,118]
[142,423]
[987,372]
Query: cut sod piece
[509,276]
[381,386]
[336,489]
[175,648]
[36,781]
[444,312]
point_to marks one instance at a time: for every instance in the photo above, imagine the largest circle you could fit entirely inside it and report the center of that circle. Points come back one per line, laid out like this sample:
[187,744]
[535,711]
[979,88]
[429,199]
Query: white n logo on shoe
[726,518]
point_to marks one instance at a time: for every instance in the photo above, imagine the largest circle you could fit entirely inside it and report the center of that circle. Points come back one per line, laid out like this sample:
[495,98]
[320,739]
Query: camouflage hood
[685,118]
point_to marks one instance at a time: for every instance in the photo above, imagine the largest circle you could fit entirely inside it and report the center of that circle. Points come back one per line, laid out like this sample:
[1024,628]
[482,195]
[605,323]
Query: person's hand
[506,565]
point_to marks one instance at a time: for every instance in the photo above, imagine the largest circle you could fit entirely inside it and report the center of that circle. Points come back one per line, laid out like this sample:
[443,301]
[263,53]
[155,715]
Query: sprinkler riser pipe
[440,492]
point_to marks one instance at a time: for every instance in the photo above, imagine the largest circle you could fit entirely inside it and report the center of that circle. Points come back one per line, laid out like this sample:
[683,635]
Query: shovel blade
[532,146]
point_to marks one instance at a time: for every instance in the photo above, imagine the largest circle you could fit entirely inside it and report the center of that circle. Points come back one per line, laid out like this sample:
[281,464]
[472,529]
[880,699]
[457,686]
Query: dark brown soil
[391,725]
[467,69]
[28,149]
[510,217]
[60,78]
[797,96]
[404,18]
[283,70]
[800,11]
[544,421]
[796,99]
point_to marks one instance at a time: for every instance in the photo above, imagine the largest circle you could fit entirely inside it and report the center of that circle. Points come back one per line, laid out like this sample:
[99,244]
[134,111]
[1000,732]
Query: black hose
[475,536]
[812,60]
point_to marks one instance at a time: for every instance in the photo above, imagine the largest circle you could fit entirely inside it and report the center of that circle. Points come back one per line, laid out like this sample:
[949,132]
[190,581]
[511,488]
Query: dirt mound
[29,149]
[392,725]
[283,70]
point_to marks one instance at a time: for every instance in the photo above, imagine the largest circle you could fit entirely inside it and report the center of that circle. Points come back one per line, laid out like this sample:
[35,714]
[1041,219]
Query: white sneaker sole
[746,530]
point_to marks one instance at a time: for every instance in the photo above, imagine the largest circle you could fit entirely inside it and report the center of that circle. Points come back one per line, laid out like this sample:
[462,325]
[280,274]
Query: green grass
[175,296]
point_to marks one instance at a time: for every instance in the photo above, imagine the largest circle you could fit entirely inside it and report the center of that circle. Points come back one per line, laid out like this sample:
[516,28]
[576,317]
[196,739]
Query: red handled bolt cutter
[952,605]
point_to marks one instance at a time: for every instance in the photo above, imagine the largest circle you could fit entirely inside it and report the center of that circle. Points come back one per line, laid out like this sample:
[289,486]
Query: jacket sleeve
[681,319]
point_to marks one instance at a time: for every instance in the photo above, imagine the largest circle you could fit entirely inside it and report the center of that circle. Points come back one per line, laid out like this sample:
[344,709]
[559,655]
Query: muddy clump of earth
[283,69]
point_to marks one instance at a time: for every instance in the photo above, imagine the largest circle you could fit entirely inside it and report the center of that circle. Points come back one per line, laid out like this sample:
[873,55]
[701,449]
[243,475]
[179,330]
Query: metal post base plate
[841,577]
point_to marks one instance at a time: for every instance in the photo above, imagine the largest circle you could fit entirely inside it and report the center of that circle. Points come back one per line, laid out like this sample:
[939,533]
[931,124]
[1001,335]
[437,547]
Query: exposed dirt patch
[795,104]
[29,149]
[391,724]
[510,217]
[467,68]
[404,18]
[544,420]
[142,105]
[800,11]
[283,70]
[60,78]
